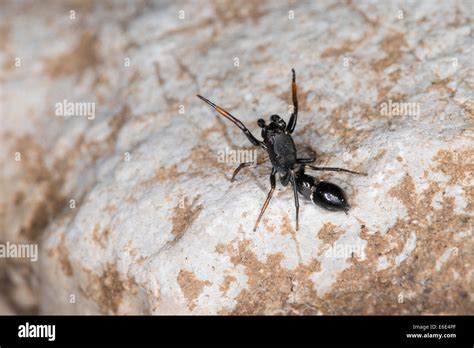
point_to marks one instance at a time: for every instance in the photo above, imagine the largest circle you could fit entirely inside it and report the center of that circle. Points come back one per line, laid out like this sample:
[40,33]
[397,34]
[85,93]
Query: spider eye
[274,118]
[261,122]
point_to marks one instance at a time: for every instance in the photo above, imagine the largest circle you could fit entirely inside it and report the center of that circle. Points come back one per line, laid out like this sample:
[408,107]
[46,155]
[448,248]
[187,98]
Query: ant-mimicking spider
[279,144]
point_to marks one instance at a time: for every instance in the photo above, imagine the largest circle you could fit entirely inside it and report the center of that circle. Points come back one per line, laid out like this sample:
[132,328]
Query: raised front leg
[235,121]
[294,115]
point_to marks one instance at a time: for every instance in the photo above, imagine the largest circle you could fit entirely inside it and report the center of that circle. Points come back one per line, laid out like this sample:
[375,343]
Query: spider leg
[305,160]
[334,169]
[235,121]
[295,191]
[244,165]
[294,115]
[269,196]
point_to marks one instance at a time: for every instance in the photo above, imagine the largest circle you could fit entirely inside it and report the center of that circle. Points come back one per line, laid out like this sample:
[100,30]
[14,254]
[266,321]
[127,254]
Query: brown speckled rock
[131,209]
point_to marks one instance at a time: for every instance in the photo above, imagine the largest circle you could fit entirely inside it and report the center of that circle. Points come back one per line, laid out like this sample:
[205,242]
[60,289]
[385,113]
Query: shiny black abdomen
[324,194]
[330,196]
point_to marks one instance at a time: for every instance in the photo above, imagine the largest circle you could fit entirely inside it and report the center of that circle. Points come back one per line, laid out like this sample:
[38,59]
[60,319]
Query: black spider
[279,144]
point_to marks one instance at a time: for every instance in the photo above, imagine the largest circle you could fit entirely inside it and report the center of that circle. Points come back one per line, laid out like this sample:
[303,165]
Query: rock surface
[156,226]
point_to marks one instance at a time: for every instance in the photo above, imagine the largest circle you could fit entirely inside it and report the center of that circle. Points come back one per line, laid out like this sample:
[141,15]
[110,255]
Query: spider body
[281,149]
[280,146]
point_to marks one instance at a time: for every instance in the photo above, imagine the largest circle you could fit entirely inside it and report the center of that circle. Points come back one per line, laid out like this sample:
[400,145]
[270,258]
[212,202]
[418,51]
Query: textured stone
[157,225]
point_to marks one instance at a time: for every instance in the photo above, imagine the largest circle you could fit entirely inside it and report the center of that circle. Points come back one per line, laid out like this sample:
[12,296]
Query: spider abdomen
[329,196]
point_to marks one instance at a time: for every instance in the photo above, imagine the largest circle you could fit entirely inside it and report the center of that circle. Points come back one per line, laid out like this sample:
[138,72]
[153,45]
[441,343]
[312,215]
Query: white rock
[159,228]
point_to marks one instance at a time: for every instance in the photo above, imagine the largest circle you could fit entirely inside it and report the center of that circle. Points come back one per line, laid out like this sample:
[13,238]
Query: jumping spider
[279,144]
